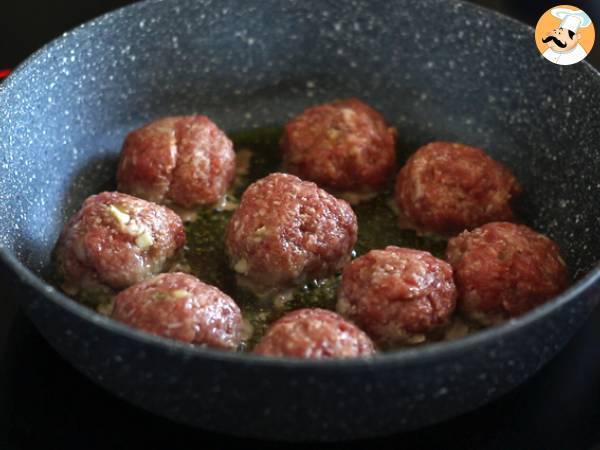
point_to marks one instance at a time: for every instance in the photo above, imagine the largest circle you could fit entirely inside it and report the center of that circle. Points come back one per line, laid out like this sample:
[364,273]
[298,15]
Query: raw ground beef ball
[116,240]
[287,231]
[179,306]
[314,333]
[397,295]
[344,145]
[447,187]
[185,160]
[503,270]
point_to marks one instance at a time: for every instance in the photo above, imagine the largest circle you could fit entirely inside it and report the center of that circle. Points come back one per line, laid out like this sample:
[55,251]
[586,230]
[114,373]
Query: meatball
[344,145]
[316,334]
[287,231]
[503,270]
[116,240]
[179,306]
[397,295]
[185,160]
[447,187]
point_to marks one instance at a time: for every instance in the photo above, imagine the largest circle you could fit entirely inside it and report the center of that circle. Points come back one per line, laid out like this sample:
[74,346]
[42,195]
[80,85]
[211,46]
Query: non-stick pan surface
[436,69]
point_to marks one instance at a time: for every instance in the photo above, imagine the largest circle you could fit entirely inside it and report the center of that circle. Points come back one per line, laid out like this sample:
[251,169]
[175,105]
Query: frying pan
[436,69]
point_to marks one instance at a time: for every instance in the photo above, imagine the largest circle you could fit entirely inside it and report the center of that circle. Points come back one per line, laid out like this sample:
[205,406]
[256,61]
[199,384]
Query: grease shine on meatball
[287,231]
[503,270]
[397,295]
[447,187]
[344,145]
[316,334]
[185,160]
[179,306]
[116,240]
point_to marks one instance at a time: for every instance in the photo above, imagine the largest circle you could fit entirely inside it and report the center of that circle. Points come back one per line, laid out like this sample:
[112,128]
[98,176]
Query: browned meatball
[185,160]
[397,295]
[116,240]
[447,187]
[344,145]
[503,270]
[286,231]
[179,306]
[314,333]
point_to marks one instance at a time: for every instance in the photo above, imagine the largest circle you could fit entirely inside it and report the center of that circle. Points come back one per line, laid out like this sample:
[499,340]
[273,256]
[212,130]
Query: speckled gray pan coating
[436,70]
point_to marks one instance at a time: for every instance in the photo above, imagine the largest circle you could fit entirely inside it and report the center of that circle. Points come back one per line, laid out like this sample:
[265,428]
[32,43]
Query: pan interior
[436,70]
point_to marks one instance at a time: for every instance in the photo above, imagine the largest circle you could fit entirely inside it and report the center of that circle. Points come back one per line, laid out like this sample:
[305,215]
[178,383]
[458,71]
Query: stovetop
[45,403]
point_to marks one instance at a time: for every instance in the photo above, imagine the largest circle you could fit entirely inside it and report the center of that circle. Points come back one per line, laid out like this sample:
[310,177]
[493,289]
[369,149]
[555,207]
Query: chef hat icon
[571,19]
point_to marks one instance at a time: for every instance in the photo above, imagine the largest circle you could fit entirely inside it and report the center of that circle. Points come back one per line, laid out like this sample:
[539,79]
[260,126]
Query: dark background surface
[46,403]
